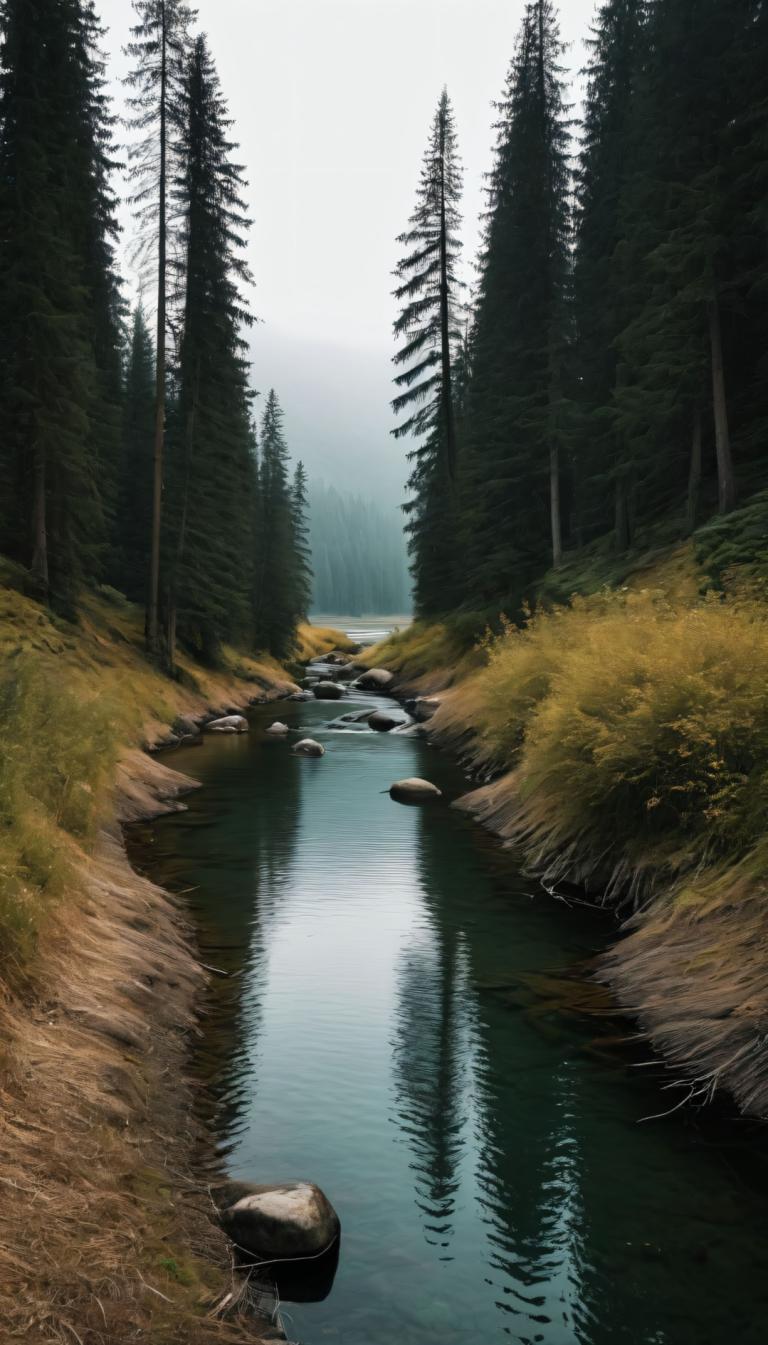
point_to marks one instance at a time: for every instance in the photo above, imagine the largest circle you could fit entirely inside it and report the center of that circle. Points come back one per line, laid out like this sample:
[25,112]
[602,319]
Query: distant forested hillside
[358,555]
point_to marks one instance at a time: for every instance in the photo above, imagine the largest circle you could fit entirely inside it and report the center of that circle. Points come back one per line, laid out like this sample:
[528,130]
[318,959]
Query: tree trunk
[153,629]
[694,474]
[554,505]
[445,332]
[39,565]
[622,527]
[726,482]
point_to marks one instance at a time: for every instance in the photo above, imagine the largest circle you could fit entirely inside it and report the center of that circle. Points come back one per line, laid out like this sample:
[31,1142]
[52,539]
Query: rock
[278,728]
[309,748]
[229,724]
[191,740]
[425,707]
[375,679]
[294,1219]
[328,691]
[186,726]
[414,791]
[301,696]
[410,730]
[383,722]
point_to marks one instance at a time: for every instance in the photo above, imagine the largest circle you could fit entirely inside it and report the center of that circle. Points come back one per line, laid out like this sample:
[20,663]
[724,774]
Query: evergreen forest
[358,555]
[133,451]
[607,369]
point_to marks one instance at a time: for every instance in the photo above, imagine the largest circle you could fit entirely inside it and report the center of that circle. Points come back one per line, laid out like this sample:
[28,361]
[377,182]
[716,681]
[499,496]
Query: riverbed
[412,1023]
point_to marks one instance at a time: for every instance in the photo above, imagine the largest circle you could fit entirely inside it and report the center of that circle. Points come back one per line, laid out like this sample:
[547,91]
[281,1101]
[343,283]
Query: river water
[410,1022]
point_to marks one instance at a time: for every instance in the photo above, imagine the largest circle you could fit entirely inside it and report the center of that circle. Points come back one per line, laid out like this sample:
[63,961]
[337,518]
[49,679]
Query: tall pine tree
[517,401]
[160,49]
[207,578]
[274,588]
[430,326]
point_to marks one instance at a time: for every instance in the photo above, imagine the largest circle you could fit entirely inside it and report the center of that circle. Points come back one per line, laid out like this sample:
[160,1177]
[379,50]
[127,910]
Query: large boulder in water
[294,1219]
[229,724]
[414,791]
[309,748]
[328,691]
[375,679]
[278,728]
[384,722]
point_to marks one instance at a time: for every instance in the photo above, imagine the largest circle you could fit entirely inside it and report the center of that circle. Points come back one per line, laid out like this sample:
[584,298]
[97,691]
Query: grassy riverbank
[626,732]
[105,1233]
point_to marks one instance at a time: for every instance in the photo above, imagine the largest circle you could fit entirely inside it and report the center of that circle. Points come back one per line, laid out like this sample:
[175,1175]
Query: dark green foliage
[358,556]
[429,324]
[134,505]
[615,390]
[59,345]
[517,410]
[302,555]
[276,602]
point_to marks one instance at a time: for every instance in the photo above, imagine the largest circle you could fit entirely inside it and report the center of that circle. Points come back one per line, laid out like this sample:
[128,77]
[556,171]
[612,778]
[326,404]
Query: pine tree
[517,403]
[301,548]
[602,295]
[210,465]
[134,511]
[429,322]
[58,346]
[160,49]
[274,608]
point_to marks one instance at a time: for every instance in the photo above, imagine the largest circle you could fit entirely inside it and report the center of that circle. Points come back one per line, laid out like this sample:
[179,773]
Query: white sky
[332,101]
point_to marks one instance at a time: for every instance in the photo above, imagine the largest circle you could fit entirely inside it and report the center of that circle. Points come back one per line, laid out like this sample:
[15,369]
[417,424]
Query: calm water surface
[411,1025]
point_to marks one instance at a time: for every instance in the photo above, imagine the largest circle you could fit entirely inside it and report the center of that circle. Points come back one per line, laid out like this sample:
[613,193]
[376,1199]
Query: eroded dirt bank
[106,1235]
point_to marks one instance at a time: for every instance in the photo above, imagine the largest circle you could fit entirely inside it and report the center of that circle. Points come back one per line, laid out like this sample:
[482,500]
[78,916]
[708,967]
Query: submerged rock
[328,691]
[229,724]
[414,791]
[309,748]
[384,722]
[278,727]
[375,679]
[293,1219]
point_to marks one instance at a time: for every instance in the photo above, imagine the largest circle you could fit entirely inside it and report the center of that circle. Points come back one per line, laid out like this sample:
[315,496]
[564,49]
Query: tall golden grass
[633,726]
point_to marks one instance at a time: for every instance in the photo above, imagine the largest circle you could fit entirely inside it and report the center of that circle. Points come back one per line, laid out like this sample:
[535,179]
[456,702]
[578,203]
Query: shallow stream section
[413,1024]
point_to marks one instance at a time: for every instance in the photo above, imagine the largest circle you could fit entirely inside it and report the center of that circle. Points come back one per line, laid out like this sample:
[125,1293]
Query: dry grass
[312,641]
[426,655]
[105,1237]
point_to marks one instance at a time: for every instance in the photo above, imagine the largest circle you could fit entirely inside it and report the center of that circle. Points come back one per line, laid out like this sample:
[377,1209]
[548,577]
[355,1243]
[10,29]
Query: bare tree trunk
[554,504]
[39,565]
[445,333]
[694,473]
[726,481]
[153,629]
[623,530]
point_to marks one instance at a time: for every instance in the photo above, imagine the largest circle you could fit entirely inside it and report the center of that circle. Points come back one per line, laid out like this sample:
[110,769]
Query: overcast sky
[332,101]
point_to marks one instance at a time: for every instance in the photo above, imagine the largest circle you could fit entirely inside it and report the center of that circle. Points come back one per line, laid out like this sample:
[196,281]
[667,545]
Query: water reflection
[397,1029]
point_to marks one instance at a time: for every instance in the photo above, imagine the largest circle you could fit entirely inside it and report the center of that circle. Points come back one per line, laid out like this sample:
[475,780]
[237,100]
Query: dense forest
[358,555]
[131,450]
[610,366]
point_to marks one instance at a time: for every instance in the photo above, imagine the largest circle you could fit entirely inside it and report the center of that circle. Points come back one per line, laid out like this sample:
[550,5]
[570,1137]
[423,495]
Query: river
[411,1023]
